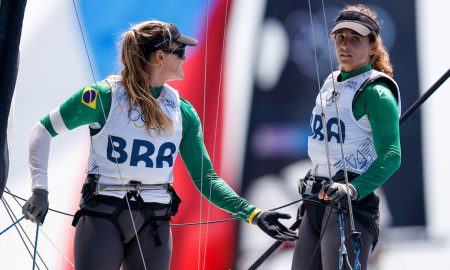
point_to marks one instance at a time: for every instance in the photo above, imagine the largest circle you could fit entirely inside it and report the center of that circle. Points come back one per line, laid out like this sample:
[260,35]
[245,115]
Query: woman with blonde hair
[138,124]
[354,148]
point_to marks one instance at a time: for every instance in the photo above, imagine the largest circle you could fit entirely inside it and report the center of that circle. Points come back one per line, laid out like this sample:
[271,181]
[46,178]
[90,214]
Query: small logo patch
[381,92]
[89,97]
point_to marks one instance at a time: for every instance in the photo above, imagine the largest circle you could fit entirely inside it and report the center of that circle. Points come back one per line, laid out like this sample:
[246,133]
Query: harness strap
[91,197]
[310,184]
[150,219]
[174,202]
[156,238]
[149,216]
[132,186]
[85,212]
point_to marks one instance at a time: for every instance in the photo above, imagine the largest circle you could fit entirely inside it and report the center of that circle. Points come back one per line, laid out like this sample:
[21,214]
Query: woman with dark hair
[137,124]
[354,147]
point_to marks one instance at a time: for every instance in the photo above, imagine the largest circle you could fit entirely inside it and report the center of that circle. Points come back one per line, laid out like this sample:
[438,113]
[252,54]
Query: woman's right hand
[35,209]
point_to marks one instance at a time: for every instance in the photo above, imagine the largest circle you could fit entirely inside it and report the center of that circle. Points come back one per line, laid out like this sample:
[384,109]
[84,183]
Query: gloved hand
[268,222]
[35,209]
[338,191]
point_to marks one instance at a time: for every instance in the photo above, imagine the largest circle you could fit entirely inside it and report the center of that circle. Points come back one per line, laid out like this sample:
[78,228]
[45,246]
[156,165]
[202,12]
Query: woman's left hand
[337,191]
[268,222]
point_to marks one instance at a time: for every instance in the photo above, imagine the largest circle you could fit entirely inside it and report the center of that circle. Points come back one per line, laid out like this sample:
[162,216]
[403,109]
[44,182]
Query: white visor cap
[352,25]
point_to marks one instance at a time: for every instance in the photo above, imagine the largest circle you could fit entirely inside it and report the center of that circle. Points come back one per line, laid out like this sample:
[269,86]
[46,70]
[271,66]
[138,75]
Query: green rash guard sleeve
[379,104]
[90,104]
[76,112]
[194,155]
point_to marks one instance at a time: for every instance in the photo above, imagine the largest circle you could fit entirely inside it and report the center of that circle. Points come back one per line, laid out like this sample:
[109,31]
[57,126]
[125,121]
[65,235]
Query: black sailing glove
[35,209]
[268,222]
[339,191]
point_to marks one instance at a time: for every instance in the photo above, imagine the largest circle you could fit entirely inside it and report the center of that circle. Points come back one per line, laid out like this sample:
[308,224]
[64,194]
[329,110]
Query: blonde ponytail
[136,80]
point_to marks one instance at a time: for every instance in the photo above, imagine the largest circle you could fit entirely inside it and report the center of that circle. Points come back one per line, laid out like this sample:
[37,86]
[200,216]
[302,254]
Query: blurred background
[253,81]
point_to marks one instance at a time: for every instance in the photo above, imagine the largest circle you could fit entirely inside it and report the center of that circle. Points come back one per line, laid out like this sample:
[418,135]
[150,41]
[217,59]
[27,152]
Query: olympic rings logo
[331,97]
[137,118]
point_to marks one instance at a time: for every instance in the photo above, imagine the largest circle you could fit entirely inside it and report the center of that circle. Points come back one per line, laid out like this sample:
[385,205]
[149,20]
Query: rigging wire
[35,243]
[9,227]
[57,248]
[203,131]
[306,198]
[110,139]
[216,124]
[42,231]
[13,217]
[325,132]
[341,142]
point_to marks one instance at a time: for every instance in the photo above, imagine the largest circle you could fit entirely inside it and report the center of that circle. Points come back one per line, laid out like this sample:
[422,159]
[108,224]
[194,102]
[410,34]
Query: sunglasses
[180,52]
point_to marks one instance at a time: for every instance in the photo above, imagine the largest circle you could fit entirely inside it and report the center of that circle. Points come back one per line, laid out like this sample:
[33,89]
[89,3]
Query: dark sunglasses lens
[180,52]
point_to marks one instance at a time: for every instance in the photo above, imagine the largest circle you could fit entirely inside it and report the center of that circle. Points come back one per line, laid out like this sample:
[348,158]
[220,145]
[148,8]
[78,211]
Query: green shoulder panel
[370,96]
[88,105]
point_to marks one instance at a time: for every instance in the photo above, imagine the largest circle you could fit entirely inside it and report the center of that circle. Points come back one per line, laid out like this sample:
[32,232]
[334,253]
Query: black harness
[90,199]
[365,210]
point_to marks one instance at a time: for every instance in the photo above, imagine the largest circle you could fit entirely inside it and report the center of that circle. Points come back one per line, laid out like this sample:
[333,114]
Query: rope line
[110,139]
